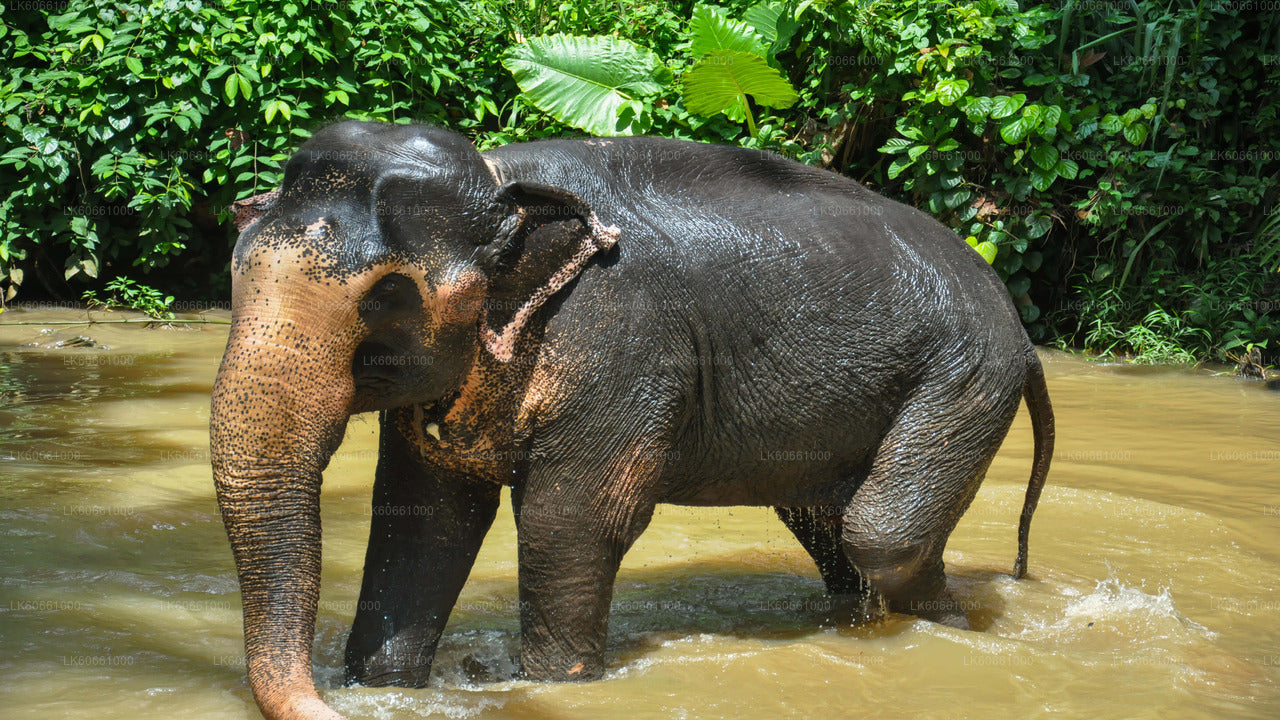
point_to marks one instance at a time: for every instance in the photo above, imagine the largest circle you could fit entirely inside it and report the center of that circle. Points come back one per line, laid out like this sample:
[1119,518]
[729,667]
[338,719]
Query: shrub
[129,128]
[1111,160]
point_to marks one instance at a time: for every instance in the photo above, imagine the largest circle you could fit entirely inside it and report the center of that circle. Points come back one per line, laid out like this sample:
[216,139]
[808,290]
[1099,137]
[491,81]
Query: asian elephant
[600,325]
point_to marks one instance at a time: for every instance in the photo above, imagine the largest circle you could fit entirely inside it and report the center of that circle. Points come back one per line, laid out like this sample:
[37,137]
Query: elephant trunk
[279,410]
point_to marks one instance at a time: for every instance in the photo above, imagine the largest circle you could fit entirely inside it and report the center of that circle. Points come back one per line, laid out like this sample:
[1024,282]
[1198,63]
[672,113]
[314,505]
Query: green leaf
[1006,105]
[1018,286]
[710,29]
[1135,133]
[1033,260]
[134,65]
[230,87]
[950,91]
[1046,156]
[987,250]
[1042,179]
[763,18]
[955,198]
[720,79]
[245,89]
[586,81]
[896,145]
[897,166]
[1015,130]
[977,108]
[1067,169]
[1111,123]
[1052,115]
[1037,225]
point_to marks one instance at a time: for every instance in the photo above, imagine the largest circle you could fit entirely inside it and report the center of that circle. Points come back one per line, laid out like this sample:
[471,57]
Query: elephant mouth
[371,370]
[385,378]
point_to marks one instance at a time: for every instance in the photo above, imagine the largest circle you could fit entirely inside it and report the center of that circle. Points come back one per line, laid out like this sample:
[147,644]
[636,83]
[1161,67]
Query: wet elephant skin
[601,325]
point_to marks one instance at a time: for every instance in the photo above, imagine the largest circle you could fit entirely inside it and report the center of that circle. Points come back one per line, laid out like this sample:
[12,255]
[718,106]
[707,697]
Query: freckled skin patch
[601,326]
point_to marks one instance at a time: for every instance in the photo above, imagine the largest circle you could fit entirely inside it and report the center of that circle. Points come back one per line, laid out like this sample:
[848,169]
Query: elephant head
[389,263]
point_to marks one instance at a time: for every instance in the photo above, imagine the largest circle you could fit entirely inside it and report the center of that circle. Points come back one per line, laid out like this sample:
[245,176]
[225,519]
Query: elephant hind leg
[818,530]
[926,472]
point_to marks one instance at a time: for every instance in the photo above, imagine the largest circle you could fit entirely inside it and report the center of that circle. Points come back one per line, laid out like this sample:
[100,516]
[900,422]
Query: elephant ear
[246,212]
[546,236]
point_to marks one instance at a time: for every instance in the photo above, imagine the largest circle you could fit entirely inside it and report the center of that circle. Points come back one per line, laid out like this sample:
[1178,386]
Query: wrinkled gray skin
[602,325]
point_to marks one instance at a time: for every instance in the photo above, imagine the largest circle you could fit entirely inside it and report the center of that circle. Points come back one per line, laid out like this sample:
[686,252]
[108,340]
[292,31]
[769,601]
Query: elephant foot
[382,671]
[846,609]
[912,585]
[393,678]
[942,609]
[565,670]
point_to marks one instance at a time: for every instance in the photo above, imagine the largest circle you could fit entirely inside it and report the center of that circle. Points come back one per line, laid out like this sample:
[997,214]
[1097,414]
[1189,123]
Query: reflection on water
[1155,560]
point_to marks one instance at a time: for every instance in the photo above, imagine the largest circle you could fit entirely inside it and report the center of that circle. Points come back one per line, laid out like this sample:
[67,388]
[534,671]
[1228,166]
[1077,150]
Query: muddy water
[1155,564]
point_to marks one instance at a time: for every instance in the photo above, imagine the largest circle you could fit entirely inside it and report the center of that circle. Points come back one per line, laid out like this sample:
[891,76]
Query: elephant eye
[390,299]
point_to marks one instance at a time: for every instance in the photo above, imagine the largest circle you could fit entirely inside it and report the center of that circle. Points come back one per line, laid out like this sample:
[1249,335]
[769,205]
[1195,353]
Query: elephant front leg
[571,544]
[423,540]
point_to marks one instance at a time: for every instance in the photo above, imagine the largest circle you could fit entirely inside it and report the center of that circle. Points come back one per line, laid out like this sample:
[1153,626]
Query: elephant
[599,325]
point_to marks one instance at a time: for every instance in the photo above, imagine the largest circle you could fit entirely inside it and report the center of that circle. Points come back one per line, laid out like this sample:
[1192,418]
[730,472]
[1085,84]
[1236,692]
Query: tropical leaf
[987,250]
[1014,130]
[710,29]
[722,78]
[592,83]
[1267,242]
[1046,156]
[774,25]
[763,17]
[1005,105]
[949,91]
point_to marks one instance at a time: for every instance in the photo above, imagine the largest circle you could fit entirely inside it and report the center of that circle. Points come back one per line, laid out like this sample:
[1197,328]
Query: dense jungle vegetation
[1117,161]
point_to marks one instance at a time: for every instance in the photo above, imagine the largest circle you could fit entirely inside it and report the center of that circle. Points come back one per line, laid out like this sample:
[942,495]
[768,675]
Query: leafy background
[1118,162]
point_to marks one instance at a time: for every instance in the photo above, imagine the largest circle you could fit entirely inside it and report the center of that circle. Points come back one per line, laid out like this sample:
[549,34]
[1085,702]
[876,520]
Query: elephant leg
[818,530]
[423,540]
[573,533]
[924,476]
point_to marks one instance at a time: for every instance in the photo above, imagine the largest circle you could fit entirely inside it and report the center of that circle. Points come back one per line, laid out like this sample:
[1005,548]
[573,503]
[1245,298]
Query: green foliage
[129,128]
[608,86]
[598,84]
[1160,338]
[126,293]
[732,63]
[1090,143]
[1114,162]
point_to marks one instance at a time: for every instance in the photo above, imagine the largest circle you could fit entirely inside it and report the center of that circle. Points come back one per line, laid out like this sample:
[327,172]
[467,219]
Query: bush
[1097,145]
[1112,159]
[131,128]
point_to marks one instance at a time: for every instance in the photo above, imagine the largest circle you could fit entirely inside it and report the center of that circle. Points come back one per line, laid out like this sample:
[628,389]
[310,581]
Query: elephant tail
[1037,397]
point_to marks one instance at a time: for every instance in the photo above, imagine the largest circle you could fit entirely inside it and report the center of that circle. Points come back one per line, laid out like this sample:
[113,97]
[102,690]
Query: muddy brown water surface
[1155,561]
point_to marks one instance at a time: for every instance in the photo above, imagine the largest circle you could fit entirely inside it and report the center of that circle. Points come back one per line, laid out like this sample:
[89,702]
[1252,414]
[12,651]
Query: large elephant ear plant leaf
[732,64]
[593,83]
[710,29]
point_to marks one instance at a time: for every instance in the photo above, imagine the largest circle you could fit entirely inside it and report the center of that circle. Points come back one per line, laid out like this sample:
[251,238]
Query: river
[1154,566]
